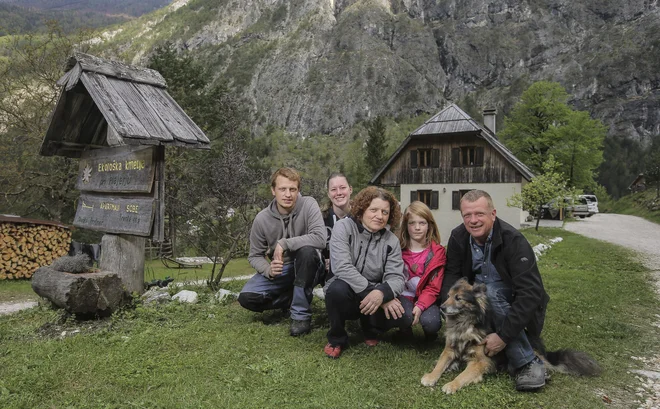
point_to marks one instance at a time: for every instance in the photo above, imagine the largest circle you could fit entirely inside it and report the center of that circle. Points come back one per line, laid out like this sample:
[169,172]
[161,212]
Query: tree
[211,196]
[32,185]
[376,147]
[652,166]
[580,148]
[549,186]
[542,124]
[529,130]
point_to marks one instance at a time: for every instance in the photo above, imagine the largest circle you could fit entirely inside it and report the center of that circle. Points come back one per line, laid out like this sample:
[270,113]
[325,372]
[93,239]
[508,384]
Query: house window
[467,156]
[456,196]
[428,197]
[425,158]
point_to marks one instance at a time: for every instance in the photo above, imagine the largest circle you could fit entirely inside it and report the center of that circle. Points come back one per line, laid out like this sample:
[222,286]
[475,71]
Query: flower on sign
[87,174]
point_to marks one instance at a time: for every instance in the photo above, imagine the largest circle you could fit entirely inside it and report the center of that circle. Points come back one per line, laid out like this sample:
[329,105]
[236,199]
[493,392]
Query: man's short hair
[288,173]
[476,194]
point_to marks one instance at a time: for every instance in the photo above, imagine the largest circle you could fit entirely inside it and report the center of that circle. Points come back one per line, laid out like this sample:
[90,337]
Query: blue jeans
[290,290]
[519,351]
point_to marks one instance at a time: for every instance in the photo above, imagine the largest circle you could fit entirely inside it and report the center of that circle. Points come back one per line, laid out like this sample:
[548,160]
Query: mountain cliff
[321,65]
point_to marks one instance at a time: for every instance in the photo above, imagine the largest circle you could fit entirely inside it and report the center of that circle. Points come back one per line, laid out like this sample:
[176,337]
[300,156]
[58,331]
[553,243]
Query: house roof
[106,103]
[639,180]
[451,121]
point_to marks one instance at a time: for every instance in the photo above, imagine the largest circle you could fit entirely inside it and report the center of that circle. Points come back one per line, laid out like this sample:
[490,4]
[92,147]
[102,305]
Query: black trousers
[342,304]
[292,289]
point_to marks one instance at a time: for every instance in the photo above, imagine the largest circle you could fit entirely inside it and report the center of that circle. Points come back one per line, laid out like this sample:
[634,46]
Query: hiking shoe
[300,327]
[332,351]
[371,342]
[531,376]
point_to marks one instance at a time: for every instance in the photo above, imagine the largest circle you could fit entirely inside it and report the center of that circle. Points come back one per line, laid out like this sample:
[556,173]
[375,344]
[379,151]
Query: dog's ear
[479,289]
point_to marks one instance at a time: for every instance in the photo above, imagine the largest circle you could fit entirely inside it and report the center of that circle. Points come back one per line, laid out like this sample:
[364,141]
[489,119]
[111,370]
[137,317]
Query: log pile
[24,247]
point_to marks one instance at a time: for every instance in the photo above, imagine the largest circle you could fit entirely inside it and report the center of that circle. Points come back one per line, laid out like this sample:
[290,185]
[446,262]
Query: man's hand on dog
[371,302]
[393,309]
[493,344]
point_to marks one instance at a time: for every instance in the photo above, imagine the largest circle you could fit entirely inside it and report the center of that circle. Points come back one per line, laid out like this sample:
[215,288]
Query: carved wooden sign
[112,214]
[122,191]
[124,169]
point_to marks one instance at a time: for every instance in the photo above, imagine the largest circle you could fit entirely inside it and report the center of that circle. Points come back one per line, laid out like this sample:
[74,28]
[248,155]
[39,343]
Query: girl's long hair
[419,209]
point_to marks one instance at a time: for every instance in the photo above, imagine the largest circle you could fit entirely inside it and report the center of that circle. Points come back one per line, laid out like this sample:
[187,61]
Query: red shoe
[371,342]
[332,351]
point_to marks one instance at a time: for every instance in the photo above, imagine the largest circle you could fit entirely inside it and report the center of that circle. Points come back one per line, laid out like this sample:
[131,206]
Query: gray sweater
[365,260]
[302,227]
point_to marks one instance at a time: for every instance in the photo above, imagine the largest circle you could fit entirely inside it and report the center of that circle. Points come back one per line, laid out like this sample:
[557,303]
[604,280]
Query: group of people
[387,280]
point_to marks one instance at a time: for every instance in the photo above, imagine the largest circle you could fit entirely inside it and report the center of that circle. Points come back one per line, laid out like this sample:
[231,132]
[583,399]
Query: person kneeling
[367,271]
[286,240]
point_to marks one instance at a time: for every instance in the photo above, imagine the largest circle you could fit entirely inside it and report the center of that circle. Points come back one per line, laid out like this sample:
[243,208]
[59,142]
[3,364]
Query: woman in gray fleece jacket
[367,271]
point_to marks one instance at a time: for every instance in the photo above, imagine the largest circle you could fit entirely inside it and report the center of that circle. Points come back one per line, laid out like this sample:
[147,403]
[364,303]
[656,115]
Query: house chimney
[490,115]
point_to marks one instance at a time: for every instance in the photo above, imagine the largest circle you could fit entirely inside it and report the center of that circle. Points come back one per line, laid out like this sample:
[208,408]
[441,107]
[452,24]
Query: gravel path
[9,308]
[643,237]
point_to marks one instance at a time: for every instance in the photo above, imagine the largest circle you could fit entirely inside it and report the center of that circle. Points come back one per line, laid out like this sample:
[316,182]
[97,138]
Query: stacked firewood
[24,247]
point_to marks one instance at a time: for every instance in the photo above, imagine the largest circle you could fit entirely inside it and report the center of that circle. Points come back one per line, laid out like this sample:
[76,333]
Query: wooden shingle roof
[451,121]
[106,103]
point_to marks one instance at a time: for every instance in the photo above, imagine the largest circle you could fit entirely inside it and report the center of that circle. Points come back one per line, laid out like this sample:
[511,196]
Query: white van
[592,202]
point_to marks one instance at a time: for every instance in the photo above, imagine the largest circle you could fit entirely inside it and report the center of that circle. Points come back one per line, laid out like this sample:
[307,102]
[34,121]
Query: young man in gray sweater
[285,244]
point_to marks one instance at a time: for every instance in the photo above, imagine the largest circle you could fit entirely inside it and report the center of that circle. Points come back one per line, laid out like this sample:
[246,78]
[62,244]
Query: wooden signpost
[122,194]
[118,119]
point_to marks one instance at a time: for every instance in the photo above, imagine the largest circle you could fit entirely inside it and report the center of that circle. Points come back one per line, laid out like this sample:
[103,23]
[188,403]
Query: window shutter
[413,159]
[435,161]
[413,196]
[434,199]
[479,156]
[456,200]
[455,157]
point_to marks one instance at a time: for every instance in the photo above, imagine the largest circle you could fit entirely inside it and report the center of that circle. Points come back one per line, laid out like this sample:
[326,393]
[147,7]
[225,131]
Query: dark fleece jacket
[515,261]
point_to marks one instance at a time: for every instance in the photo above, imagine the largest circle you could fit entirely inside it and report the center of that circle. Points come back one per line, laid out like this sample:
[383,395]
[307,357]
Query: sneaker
[300,327]
[531,376]
[371,342]
[332,351]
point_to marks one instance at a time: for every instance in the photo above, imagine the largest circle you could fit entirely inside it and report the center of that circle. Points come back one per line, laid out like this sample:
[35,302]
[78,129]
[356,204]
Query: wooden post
[124,255]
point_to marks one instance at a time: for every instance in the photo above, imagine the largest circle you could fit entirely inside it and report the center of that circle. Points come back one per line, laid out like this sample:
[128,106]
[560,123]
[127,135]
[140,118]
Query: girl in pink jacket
[424,267]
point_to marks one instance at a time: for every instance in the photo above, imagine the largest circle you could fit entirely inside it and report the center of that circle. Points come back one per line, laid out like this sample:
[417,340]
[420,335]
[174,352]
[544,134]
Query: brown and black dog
[467,324]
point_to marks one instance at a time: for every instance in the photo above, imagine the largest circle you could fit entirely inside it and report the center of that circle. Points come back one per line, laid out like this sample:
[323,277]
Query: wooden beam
[115,69]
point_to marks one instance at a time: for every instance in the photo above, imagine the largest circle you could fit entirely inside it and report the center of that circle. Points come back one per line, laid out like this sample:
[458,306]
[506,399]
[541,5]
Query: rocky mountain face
[322,65]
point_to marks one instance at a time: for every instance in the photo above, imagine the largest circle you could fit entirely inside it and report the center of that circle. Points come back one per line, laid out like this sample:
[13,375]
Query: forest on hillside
[133,8]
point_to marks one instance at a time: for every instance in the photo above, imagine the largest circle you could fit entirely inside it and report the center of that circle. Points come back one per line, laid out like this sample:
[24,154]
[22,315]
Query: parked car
[592,202]
[576,207]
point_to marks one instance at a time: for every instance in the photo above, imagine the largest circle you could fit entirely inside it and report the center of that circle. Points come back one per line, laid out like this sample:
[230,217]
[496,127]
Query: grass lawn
[220,355]
[636,204]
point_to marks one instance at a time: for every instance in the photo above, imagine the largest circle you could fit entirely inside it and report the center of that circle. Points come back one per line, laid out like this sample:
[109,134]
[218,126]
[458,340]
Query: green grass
[155,269]
[16,291]
[220,355]
[636,204]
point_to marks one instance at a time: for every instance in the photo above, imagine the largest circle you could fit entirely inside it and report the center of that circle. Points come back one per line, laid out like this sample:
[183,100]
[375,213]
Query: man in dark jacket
[488,250]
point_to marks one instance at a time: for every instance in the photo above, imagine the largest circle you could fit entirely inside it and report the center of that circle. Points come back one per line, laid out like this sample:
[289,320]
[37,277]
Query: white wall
[447,219]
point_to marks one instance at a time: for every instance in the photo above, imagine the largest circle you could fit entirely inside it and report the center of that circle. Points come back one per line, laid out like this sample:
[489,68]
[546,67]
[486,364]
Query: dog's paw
[429,380]
[450,388]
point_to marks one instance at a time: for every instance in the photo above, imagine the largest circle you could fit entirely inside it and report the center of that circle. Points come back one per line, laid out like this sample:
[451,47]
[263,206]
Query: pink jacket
[429,286]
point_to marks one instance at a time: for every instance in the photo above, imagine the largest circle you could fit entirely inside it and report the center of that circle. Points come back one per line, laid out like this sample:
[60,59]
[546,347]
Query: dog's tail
[572,362]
